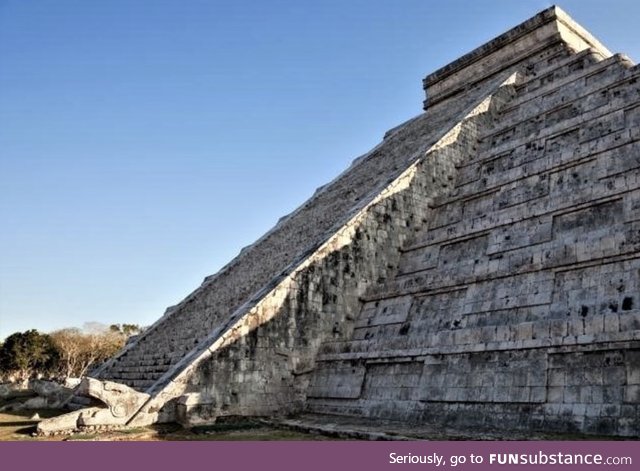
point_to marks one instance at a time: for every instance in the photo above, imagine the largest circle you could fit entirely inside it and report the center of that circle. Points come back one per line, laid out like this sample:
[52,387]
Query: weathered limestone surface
[480,267]
[511,49]
[117,405]
[187,327]
[517,305]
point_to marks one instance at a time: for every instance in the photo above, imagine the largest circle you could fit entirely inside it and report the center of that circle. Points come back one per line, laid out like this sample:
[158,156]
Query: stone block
[611,322]
[538,394]
[555,394]
[632,366]
[632,394]
[628,426]
[571,394]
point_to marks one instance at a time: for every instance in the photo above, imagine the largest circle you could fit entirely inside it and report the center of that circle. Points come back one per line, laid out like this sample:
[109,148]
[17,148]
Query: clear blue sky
[144,143]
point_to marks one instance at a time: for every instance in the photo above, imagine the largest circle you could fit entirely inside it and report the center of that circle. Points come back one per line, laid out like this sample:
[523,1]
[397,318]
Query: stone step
[457,229]
[573,143]
[138,369]
[137,384]
[133,363]
[540,82]
[556,105]
[384,341]
[142,374]
[528,93]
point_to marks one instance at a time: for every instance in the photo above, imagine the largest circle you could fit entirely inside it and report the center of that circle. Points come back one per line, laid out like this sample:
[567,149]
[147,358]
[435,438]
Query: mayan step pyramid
[479,268]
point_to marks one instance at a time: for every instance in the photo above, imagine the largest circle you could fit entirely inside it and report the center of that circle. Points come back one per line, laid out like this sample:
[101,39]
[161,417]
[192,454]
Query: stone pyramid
[479,268]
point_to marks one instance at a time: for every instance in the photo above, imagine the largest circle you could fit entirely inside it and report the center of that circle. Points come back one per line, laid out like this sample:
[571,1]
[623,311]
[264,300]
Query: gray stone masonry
[517,305]
[479,268]
[259,267]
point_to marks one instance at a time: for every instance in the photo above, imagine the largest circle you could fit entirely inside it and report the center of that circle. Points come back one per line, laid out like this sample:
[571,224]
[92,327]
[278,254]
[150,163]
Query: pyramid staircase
[473,267]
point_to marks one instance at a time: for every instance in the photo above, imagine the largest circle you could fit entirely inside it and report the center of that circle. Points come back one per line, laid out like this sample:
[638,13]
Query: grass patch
[264,433]
[81,437]
[228,426]
[132,431]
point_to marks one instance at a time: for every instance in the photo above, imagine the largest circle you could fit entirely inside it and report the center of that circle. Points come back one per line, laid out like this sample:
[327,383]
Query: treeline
[66,353]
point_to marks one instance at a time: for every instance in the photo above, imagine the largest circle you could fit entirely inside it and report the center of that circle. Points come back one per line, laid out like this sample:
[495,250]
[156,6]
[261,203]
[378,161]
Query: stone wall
[263,365]
[517,304]
[189,327]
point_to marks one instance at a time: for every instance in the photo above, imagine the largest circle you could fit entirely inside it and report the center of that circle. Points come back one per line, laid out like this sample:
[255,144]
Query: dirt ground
[19,426]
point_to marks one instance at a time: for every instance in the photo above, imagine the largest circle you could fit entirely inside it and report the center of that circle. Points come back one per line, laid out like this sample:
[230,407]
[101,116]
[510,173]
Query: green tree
[24,354]
[126,329]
